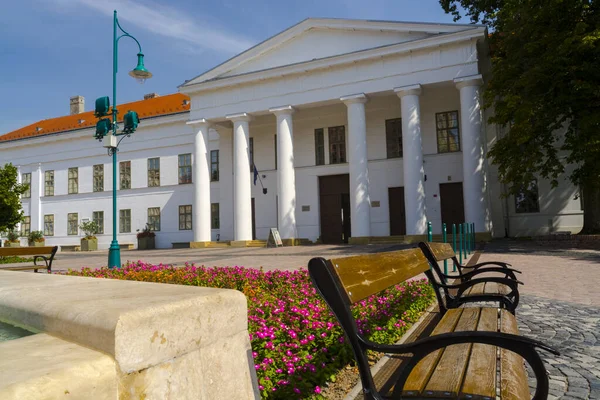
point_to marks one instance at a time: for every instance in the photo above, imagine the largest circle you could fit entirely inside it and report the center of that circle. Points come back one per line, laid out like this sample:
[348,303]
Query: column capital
[201,121]
[244,117]
[408,90]
[473,80]
[282,110]
[354,98]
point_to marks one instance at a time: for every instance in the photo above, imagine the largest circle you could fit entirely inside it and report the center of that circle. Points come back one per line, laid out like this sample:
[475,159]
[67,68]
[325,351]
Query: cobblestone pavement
[560,305]
[574,330]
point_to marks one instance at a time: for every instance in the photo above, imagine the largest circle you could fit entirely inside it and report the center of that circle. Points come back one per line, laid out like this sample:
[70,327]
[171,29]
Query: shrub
[14,260]
[297,343]
[146,232]
[12,236]
[89,228]
[35,236]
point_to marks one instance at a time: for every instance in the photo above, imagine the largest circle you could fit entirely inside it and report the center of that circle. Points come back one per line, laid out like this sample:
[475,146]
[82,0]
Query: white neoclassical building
[358,130]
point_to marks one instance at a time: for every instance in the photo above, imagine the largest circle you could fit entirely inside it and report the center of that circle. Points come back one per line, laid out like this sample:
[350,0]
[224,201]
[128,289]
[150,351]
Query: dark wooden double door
[452,207]
[334,206]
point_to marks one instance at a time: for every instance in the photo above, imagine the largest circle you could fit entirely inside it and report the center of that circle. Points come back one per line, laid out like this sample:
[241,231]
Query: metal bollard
[454,244]
[429,233]
[461,244]
[444,239]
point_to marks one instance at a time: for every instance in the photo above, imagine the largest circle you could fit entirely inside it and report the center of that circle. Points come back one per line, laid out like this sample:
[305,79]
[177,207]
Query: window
[251,153]
[185,218]
[154,219]
[185,168]
[337,145]
[72,226]
[214,165]
[214,216]
[99,178]
[124,221]
[49,225]
[447,131]
[527,199]
[125,174]
[98,218]
[26,180]
[49,183]
[26,226]
[319,147]
[393,137]
[275,150]
[73,180]
[153,172]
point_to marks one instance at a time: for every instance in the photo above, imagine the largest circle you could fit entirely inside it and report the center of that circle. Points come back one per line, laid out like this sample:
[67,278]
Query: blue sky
[51,50]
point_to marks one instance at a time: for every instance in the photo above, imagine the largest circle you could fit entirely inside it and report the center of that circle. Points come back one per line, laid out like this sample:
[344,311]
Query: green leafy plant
[146,232]
[14,260]
[11,212]
[35,236]
[89,228]
[12,236]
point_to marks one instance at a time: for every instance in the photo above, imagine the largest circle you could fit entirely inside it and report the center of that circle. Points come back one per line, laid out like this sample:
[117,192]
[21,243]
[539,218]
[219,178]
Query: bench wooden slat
[25,251]
[419,376]
[477,289]
[448,376]
[365,275]
[441,251]
[480,378]
[513,377]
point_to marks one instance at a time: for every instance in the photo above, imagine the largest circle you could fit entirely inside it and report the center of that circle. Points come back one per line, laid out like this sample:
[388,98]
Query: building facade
[356,129]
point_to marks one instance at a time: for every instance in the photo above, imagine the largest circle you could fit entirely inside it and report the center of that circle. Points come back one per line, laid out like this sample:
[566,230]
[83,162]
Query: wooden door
[397,211]
[334,208]
[452,204]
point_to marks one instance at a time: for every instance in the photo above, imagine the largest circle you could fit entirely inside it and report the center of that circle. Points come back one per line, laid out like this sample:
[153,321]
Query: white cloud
[168,21]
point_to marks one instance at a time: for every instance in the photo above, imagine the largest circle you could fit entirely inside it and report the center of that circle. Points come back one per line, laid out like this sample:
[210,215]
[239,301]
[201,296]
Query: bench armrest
[499,263]
[512,283]
[508,272]
[44,258]
[523,346]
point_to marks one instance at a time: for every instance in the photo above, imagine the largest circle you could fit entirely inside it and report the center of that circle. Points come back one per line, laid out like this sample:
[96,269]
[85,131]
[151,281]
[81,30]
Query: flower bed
[298,345]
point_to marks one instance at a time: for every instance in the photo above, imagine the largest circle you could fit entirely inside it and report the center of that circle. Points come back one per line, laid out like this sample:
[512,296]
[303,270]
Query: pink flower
[317,390]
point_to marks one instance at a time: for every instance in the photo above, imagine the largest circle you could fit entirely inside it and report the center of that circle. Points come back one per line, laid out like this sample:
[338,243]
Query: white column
[360,204]
[286,179]
[201,206]
[474,190]
[242,195]
[37,191]
[414,182]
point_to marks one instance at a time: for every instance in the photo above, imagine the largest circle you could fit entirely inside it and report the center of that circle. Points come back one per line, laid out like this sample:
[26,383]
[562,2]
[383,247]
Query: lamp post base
[114,255]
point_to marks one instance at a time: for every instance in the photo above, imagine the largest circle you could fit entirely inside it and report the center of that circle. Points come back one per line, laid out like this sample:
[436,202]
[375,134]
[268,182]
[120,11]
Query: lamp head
[140,73]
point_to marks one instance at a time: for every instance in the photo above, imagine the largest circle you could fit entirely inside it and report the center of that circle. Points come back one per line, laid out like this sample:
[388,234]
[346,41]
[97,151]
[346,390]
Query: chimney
[150,96]
[77,105]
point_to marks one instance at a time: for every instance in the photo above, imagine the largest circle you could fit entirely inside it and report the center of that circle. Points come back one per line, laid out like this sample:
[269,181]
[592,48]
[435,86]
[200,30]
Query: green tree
[544,86]
[11,212]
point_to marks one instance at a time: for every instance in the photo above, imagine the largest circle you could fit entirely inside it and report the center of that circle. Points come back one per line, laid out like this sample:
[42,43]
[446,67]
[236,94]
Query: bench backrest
[27,251]
[441,251]
[364,275]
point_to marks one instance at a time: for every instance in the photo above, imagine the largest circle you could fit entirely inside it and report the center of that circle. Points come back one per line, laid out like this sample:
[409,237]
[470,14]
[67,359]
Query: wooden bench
[46,254]
[482,287]
[458,360]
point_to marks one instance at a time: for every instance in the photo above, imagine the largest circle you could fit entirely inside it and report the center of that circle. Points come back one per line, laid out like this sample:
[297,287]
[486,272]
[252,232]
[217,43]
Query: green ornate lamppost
[105,126]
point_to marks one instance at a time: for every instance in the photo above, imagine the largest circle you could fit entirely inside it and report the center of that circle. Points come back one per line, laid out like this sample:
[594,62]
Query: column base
[202,245]
[296,242]
[248,243]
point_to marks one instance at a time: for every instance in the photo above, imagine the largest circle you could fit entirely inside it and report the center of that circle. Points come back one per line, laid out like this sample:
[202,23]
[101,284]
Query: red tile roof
[157,106]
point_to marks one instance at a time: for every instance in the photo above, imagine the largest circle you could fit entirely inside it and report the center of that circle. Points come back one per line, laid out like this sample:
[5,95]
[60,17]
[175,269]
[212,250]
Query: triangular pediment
[317,39]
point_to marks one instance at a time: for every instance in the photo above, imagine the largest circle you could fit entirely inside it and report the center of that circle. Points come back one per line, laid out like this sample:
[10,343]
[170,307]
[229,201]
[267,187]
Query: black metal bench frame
[467,280]
[323,276]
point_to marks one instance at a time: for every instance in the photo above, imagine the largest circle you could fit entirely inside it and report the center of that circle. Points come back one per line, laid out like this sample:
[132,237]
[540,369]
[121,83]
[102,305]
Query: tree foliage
[544,86]
[11,212]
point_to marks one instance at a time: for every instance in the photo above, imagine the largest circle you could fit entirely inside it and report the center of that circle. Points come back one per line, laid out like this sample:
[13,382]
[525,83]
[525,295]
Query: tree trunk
[591,208]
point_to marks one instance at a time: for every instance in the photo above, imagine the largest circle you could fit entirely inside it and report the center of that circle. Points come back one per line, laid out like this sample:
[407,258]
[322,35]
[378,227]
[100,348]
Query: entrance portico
[406,71]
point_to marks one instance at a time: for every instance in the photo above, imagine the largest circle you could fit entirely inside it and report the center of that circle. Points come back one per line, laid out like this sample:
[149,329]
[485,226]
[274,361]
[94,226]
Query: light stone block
[167,341]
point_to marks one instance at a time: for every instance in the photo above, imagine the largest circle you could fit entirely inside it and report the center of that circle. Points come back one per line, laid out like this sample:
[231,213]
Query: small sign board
[274,238]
